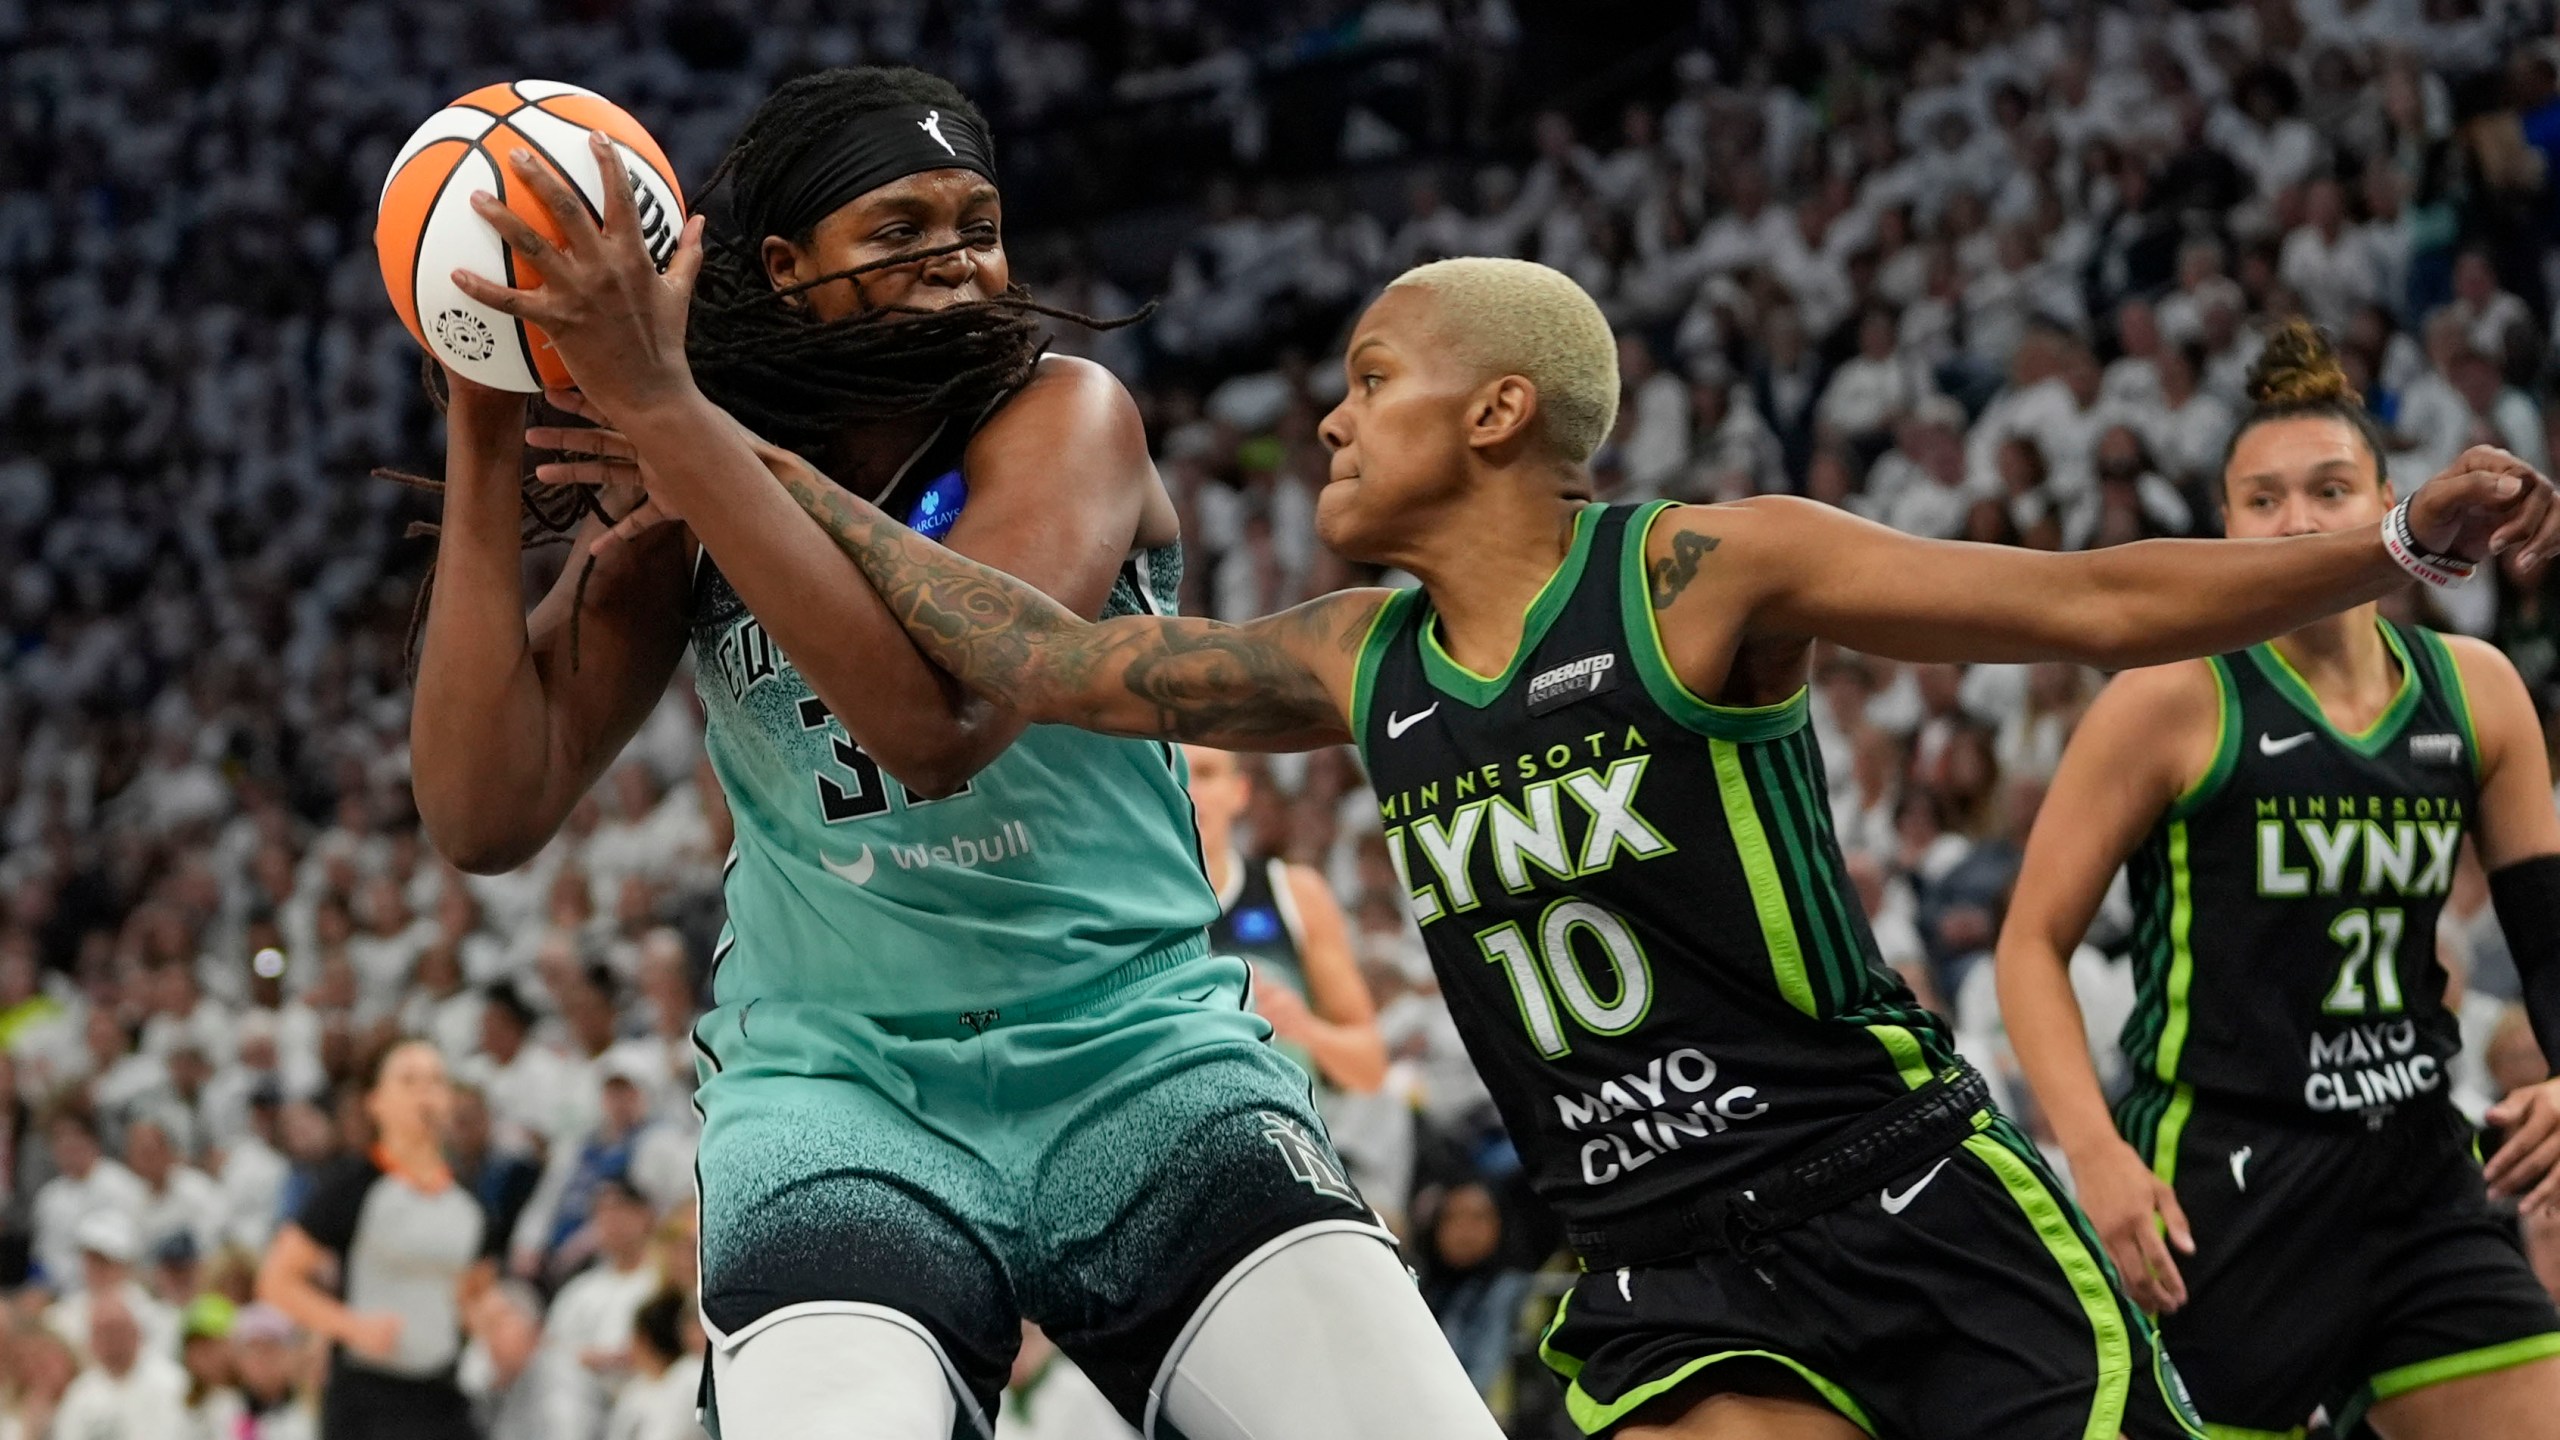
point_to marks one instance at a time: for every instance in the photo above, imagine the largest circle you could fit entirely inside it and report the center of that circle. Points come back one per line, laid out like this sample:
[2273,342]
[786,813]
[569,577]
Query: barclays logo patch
[939,506]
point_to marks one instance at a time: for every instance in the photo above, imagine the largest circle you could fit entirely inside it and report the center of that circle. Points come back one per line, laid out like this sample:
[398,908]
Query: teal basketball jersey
[1067,856]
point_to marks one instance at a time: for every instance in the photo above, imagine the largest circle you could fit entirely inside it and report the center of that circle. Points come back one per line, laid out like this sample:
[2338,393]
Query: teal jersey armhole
[1653,664]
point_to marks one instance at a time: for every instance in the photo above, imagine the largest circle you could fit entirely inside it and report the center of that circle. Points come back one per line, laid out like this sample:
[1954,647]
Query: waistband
[1090,997]
[1886,1143]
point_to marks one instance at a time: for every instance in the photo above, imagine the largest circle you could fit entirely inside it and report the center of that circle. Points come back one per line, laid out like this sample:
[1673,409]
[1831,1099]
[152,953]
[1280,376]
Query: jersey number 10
[1539,979]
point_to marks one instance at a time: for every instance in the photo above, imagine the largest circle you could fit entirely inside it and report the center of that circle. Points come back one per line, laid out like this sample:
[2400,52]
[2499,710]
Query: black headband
[874,148]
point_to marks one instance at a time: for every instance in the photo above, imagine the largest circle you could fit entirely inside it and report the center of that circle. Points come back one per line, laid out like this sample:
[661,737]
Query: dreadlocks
[766,359]
[800,381]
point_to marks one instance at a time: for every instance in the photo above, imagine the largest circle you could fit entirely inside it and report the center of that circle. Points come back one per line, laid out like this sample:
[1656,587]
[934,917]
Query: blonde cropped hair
[1518,317]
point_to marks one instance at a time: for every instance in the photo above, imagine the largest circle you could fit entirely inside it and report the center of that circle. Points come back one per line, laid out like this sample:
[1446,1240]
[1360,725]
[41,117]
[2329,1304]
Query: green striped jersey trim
[1653,664]
[2226,743]
[2385,727]
[2462,1366]
[1567,1366]
[1478,691]
[2086,1274]
[1908,1058]
[2182,955]
[2235,1432]
[1373,652]
[1760,871]
[1593,1416]
[2172,1126]
[2456,692]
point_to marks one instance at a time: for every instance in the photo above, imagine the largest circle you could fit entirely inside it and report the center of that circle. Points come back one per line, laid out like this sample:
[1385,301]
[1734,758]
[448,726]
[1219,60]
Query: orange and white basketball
[427,230]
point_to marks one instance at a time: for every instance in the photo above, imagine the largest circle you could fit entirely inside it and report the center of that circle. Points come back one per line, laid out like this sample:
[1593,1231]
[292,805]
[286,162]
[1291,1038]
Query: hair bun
[2298,368]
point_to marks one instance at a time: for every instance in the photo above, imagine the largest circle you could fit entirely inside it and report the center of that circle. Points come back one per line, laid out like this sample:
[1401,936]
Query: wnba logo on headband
[871,150]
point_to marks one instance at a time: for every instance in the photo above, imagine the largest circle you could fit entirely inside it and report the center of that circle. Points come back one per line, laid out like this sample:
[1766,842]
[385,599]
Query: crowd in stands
[1990,269]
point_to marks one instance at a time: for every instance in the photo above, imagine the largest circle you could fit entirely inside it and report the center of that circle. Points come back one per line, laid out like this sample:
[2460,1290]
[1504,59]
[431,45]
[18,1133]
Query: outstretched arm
[1282,682]
[1803,570]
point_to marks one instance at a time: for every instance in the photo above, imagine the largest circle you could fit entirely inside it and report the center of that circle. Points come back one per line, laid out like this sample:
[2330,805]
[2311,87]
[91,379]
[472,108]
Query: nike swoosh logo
[2270,745]
[1398,724]
[856,871]
[2239,1165]
[1896,1204]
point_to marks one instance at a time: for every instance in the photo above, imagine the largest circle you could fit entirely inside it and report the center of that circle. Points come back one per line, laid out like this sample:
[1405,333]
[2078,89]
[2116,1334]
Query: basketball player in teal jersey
[1588,737]
[971,1059]
[2291,814]
[1283,919]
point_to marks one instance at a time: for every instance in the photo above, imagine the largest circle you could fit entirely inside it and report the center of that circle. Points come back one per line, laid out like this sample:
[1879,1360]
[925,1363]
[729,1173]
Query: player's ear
[785,266]
[1503,412]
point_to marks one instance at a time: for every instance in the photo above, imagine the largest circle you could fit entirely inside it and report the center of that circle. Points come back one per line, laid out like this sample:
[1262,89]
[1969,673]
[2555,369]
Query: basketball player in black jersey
[2292,814]
[1799,1214]
[1284,919]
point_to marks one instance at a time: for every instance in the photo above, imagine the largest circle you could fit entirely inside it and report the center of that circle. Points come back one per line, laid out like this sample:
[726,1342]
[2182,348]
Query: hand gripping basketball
[617,323]
[2486,503]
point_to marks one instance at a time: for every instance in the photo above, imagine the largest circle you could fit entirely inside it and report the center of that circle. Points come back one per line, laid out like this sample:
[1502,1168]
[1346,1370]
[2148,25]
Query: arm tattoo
[1193,680]
[1672,576]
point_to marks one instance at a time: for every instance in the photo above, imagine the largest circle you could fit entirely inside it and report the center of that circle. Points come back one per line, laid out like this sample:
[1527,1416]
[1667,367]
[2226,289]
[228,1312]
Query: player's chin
[1347,520]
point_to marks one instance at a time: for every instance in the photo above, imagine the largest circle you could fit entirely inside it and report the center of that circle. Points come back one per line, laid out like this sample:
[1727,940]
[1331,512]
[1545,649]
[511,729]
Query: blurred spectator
[127,1391]
[665,1348]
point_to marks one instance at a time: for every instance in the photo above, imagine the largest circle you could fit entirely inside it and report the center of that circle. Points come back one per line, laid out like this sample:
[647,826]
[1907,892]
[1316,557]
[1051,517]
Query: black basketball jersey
[1258,921]
[2285,932]
[1632,897]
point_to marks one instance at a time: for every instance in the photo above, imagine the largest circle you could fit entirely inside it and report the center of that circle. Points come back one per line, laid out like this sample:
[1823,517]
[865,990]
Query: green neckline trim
[1373,651]
[2371,739]
[1653,664]
[2457,693]
[1469,688]
[2226,743]
[1592,1416]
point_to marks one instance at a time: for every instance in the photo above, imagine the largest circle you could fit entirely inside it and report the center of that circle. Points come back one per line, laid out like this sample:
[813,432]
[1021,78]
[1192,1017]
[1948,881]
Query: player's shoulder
[2476,660]
[1071,416]
[2161,700]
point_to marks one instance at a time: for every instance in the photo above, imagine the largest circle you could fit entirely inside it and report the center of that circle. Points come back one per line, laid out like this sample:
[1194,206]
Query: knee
[848,1375]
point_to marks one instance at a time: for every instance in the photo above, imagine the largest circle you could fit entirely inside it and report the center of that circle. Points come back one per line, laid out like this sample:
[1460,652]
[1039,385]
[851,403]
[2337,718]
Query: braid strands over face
[762,355]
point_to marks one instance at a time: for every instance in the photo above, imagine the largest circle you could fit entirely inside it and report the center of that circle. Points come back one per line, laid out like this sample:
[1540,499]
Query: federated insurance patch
[2439,750]
[1551,690]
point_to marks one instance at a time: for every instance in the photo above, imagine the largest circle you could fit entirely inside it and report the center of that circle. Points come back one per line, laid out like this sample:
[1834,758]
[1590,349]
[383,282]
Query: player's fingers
[518,234]
[2525,1155]
[2546,535]
[587,472]
[2160,1271]
[2523,1119]
[2524,518]
[522,304]
[621,217]
[686,264]
[644,517]
[582,440]
[578,232]
[2124,1247]
[575,402]
[2543,1195]
[2174,1216]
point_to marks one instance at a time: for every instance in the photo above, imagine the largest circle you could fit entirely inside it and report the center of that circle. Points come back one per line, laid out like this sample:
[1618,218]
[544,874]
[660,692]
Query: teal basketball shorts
[1096,1162]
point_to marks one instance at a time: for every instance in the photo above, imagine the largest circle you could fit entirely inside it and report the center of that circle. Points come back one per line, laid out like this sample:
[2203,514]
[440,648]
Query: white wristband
[2441,571]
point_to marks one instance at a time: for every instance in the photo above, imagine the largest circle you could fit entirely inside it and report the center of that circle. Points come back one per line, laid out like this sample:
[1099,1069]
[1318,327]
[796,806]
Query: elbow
[1364,1070]
[941,767]
[479,846]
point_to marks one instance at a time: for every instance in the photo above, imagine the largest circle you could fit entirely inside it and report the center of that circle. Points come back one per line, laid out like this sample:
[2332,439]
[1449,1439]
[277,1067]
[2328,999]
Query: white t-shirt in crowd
[147,1402]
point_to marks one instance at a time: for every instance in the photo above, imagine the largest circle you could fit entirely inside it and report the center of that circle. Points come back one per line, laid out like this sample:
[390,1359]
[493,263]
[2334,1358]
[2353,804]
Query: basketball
[426,229]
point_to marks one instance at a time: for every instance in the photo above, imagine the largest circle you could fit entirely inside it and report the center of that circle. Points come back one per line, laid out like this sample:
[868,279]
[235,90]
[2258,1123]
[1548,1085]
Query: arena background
[1982,269]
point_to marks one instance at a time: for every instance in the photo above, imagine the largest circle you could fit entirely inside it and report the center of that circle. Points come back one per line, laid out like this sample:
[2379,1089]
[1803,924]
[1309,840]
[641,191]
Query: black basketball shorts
[2339,1267]
[1966,1300]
